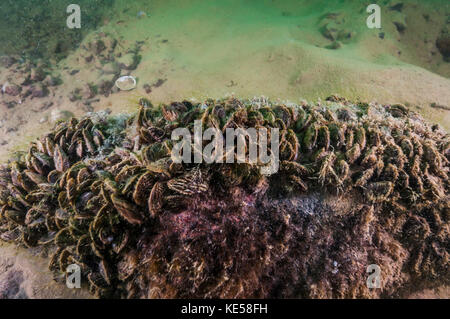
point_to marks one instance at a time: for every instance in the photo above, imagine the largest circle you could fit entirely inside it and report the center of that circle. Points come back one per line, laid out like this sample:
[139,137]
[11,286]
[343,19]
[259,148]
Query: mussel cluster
[140,225]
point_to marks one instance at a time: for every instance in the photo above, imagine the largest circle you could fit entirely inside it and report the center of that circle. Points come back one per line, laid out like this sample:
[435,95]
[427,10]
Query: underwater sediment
[358,184]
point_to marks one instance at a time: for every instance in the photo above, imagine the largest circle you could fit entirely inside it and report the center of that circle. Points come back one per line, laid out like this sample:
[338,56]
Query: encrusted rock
[357,184]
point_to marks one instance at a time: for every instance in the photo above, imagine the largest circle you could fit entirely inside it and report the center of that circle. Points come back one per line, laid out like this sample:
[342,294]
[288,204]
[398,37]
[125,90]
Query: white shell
[126,82]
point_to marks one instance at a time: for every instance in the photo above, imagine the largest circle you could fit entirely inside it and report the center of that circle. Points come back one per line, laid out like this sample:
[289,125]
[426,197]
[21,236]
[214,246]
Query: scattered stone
[87,107]
[159,83]
[90,91]
[10,104]
[401,27]
[37,74]
[98,47]
[52,80]
[39,91]
[60,115]
[105,87]
[11,89]
[231,84]
[91,101]
[75,95]
[147,87]
[345,35]
[334,27]
[329,32]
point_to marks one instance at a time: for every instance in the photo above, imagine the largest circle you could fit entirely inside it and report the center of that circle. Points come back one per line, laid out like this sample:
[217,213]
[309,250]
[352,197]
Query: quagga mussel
[106,195]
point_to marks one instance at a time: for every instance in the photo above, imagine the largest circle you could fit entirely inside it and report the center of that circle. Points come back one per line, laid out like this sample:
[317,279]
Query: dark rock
[147,88]
[54,81]
[75,95]
[401,27]
[38,74]
[344,35]
[39,91]
[397,7]
[105,87]
[10,104]
[12,89]
[73,72]
[329,32]
[443,45]
[89,59]
[99,46]
[27,81]
[159,83]
[381,35]
[90,91]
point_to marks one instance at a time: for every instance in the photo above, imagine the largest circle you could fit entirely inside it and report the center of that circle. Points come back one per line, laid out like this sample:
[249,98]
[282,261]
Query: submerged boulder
[357,185]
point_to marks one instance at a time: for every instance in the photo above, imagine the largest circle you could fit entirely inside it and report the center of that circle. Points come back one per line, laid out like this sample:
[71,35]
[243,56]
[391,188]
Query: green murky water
[38,27]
